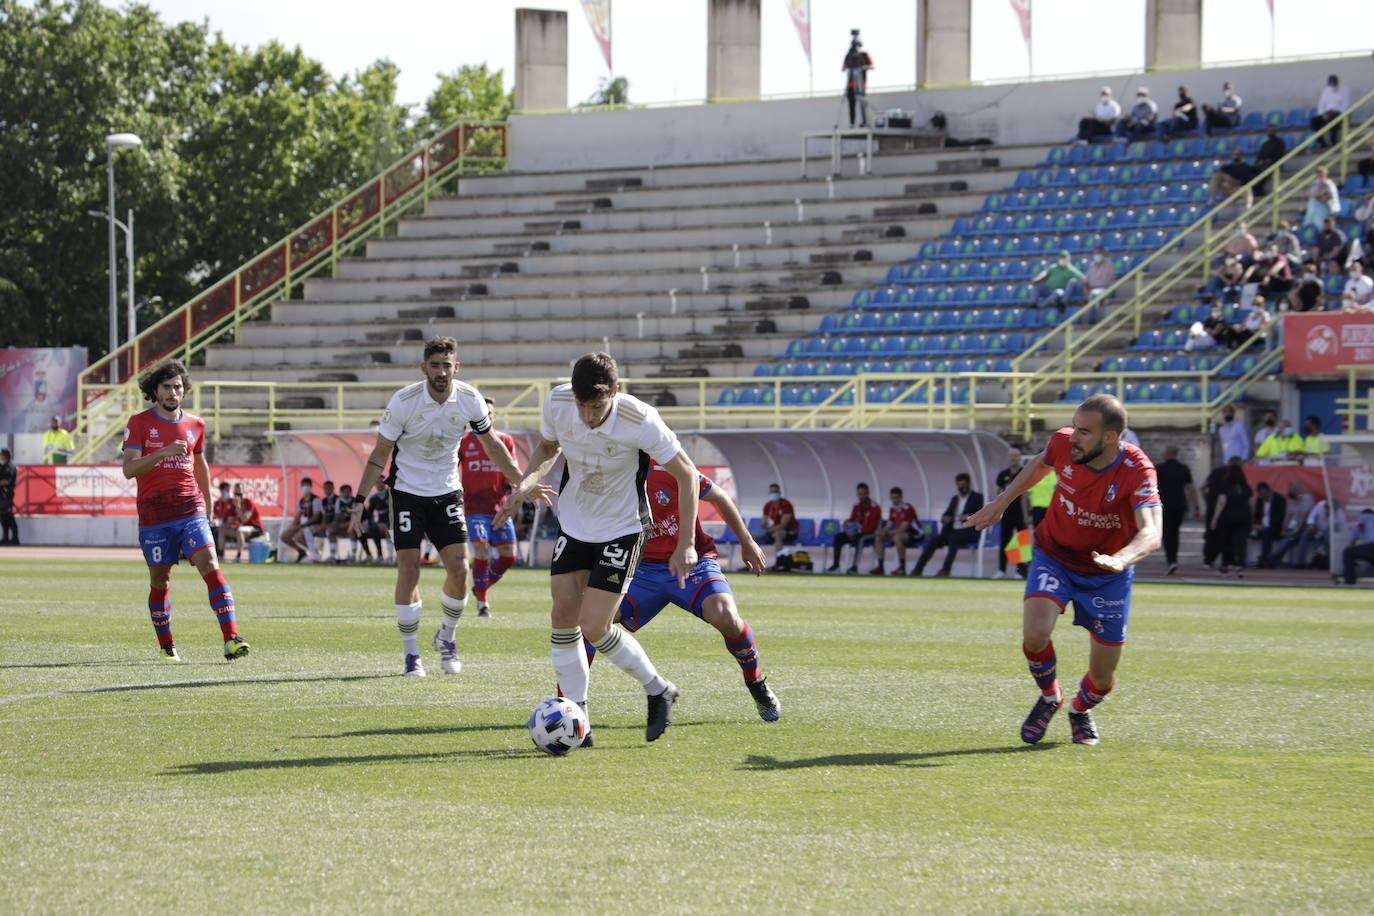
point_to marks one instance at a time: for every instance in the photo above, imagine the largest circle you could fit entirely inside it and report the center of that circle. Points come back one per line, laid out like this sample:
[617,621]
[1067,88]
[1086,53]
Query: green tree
[609,91]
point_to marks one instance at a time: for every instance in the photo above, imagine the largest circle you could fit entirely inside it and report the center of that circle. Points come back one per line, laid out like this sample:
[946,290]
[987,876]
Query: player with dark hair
[485,488]
[164,449]
[1105,517]
[707,594]
[609,439]
[420,430]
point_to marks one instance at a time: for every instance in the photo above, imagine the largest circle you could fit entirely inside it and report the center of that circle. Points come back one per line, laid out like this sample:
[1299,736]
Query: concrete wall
[1173,33]
[541,60]
[733,36]
[1008,114]
[943,35]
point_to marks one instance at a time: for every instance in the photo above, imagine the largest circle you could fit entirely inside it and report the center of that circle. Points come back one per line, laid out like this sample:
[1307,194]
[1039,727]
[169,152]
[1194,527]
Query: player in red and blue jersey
[706,592]
[164,449]
[1105,516]
[484,493]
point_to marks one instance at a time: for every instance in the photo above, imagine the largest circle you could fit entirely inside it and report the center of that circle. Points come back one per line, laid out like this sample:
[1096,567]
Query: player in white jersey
[420,429]
[609,441]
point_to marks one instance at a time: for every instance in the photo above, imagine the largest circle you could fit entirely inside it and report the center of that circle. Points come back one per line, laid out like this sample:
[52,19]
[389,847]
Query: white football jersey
[601,496]
[427,434]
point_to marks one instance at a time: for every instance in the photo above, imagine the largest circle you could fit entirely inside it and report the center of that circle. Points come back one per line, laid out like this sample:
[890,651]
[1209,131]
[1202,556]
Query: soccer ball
[557,726]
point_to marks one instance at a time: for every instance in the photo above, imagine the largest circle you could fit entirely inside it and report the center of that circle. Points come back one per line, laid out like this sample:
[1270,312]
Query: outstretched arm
[541,462]
[1026,478]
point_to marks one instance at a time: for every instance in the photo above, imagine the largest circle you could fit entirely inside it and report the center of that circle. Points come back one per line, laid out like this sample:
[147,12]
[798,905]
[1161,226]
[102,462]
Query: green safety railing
[1356,412]
[1147,288]
[107,391]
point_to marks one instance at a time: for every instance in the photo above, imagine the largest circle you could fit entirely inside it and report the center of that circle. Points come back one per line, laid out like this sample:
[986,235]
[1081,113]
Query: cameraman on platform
[857,63]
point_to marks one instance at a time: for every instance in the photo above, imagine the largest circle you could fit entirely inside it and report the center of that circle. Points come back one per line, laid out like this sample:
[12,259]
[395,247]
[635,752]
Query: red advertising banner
[1352,487]
[100,489]
[1320,342]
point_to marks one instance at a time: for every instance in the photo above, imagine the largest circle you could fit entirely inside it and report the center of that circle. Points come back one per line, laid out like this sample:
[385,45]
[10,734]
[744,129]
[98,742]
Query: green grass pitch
[1236,773]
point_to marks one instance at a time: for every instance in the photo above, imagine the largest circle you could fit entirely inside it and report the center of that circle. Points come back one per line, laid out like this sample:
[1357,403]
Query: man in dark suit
[1267,527]
[953,533]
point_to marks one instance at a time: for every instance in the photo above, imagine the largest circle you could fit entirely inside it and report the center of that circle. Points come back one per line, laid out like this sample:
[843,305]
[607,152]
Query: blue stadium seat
[1189,392]
[1146,341]
[1297,117]
[1075,394]
[1179,314]
[763,369]
[728,396]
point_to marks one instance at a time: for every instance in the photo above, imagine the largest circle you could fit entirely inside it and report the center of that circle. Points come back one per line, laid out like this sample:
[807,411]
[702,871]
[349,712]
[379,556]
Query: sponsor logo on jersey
[1066,471]
[152,432]
[1089,519]
[1100,602]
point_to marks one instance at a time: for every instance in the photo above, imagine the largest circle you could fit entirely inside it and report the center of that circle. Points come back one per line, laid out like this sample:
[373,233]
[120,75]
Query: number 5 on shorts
[403,520]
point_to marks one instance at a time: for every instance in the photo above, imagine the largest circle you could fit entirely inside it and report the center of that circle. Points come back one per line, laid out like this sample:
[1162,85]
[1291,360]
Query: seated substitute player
[780,526]
[164,449]
[485,489]
[247,522]
[707,593]
[902,527]
[859,529]
[300,535]
[1105,517]
[420,429]
[374,522]
[222,518]
[609,440]
[342,547]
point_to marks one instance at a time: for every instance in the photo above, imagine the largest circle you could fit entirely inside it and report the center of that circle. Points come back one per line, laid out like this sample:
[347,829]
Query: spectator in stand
[1242,243]
[1308,293]
[1271,271]
[1226,114]
[1331,246]
[1287,244]
[1361,547]
[1323,199]
[1272,149]
[1058,283]
[1300,506]
[1351,307]
[9,476]
[1268,426]
[1224,286]
[1257,319]
[1314,444]
[1284,446]
[1183,119]
[1266,525]
[1231,520]
[1103,119]
[1141,121]
[779,523]
[1208,333]
[902,527]
[1312,533]
[954,532]
[1230,177]
[1177,493]
[859,529]
[1359,283]
[1232,435]
[1334,99]
[1101,273]
[1015,518]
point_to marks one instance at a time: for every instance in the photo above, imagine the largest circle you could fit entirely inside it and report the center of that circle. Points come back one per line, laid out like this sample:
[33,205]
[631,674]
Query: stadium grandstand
[753,267]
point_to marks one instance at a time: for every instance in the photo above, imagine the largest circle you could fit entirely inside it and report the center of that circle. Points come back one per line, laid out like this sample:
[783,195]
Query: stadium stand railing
[107,391]
[1355,411]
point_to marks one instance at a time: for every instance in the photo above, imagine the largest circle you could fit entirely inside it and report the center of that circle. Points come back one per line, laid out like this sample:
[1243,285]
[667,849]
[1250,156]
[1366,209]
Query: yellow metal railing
[1356,412]
[107,391]
[1072,341]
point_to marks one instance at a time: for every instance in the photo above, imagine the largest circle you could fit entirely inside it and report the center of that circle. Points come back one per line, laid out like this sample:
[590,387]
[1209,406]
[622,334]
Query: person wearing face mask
[1334,99]
[300,535]
[1308,293]
[902,527]
[1141,121]
[1282,446]
[1103,119]
[1232,436]
[1184,117]
[1015,518]
[953,531]
[780,526]
[1224,285]
[224,517]
[1268,426]
[1058,283]
[1101,273]
[1226,114]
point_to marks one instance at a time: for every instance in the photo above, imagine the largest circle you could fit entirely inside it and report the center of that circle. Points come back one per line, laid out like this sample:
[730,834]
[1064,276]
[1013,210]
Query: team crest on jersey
[663,497]
[1111,492]
[191,437]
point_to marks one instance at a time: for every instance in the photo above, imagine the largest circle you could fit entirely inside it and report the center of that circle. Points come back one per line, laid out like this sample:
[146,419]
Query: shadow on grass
[893,759]
[221,682]
[214,767]
[111,663]
[414,730]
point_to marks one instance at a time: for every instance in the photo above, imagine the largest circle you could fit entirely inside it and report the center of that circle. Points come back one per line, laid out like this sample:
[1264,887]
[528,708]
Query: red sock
[479,580]
[1043,665]
[222,603]
[160,610]
[1089,695]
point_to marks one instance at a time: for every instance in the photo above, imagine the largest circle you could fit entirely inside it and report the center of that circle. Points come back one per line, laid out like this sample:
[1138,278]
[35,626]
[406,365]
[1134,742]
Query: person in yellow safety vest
[1041,493]
[1314,445]
[1282,446]
[58,444]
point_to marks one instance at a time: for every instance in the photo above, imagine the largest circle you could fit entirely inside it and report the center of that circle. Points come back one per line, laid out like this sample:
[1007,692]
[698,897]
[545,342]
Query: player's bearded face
[439,370]
[169,394]
[1085,447]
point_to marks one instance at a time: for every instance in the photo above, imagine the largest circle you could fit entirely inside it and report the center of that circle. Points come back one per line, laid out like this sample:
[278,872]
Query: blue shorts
[1101,604]
[654,587]
[166,544]
[479,529]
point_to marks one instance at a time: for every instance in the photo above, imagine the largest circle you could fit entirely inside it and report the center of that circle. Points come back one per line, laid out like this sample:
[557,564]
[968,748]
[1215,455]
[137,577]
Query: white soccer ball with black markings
[557,726]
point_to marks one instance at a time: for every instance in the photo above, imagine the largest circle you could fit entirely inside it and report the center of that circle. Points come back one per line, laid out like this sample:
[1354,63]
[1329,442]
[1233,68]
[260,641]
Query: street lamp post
[127,227]
[113,142]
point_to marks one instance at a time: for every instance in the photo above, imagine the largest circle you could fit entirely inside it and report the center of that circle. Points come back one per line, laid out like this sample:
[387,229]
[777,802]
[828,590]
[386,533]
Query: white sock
[389,548]
[408,622]
[310,545]
[570,662]
[624,651]
[345,549]
[453,609]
